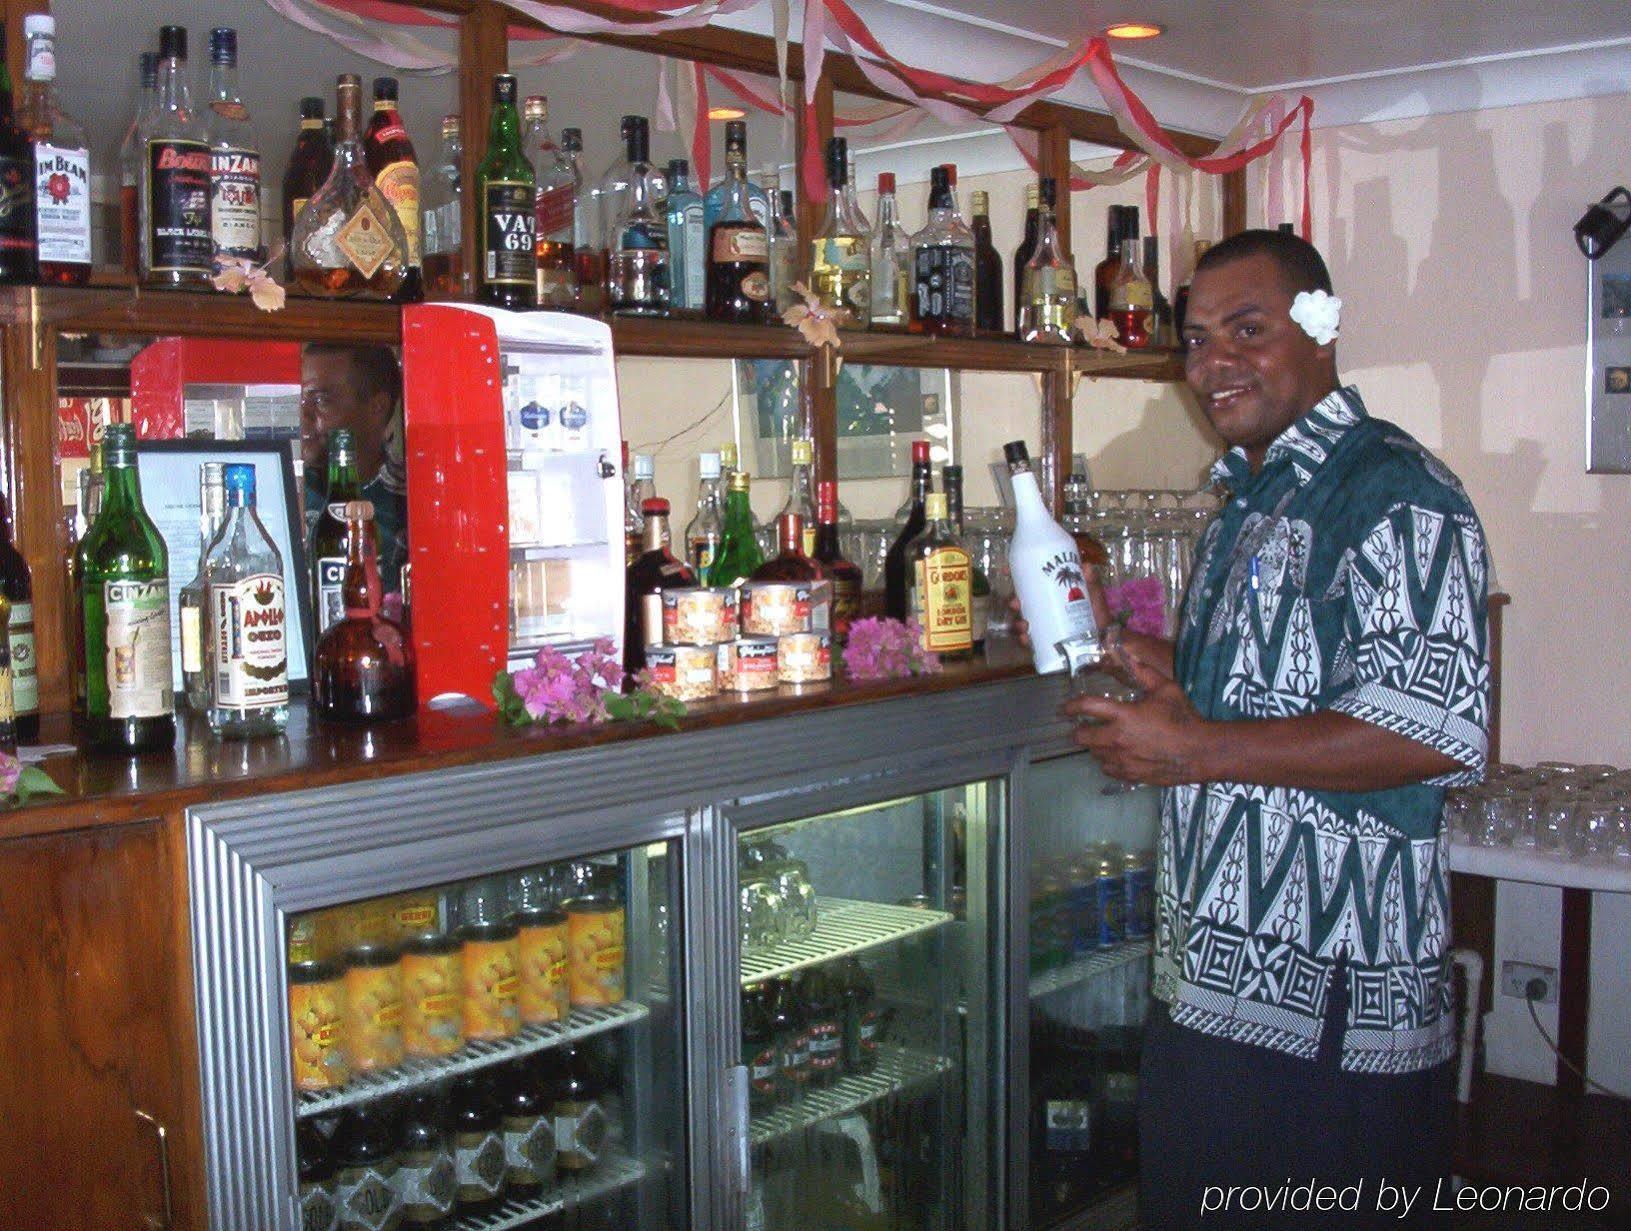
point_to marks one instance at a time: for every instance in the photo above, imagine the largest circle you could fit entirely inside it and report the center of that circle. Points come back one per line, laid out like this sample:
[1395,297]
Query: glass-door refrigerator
[868,980]
[1087,883]
[499,1048]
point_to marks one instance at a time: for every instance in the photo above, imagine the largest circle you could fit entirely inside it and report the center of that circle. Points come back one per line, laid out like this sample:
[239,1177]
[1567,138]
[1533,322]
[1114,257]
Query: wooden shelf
[124,309]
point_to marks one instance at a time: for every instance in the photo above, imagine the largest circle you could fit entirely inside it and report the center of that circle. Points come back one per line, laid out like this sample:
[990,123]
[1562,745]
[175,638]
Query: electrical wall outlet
[1516,976]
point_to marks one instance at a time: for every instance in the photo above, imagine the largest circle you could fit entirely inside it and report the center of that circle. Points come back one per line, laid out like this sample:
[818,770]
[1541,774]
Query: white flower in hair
[1319,313]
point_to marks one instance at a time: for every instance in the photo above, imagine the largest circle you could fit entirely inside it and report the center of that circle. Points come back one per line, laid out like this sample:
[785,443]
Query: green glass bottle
[507,266]
[738,556]
[330,539]
[124,575]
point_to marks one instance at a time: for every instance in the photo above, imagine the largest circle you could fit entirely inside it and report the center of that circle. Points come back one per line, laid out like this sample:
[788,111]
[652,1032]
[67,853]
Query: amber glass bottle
[364,664]
[846,575]
[395,168]
[790,563]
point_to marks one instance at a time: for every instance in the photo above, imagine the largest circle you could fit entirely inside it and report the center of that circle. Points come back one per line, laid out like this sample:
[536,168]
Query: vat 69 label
[508,231]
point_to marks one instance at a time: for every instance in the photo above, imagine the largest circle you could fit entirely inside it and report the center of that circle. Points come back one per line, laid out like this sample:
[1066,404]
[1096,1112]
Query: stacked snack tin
[743,640]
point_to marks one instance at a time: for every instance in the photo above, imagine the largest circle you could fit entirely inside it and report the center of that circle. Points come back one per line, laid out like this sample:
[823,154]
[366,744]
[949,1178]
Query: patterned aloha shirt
[1348,574]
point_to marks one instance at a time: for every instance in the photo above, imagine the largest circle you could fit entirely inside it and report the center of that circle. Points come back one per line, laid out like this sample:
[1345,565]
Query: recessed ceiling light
[726,113]
[1135,29]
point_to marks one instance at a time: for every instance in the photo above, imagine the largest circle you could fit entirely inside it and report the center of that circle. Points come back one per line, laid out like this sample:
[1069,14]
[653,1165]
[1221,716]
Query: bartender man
[358,387]
[1330,678]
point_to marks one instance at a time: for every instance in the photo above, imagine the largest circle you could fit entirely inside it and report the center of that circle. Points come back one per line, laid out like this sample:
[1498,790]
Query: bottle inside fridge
[1091,893]
[868,1014]
[492,1052]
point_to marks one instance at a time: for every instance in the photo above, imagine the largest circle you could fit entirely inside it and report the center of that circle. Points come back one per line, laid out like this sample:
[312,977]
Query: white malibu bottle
[1048,577]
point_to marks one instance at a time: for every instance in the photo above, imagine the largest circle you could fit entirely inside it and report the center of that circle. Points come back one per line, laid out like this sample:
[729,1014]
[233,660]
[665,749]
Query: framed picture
[881,410]
[1608,361]
[169,474]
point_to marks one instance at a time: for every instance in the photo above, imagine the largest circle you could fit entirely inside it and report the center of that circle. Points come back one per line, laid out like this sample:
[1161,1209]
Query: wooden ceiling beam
[756,53]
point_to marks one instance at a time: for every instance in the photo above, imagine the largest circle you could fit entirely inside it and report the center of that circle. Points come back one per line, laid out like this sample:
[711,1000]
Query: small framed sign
[169,474]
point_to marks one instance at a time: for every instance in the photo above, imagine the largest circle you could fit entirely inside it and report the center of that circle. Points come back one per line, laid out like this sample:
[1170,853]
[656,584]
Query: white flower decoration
[1319,313]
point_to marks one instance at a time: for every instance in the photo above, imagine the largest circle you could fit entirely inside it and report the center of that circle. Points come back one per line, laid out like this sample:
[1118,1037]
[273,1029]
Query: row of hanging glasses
[1580,812]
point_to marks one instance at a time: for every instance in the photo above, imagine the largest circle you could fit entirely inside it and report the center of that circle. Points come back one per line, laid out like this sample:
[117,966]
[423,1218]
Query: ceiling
[1258,45]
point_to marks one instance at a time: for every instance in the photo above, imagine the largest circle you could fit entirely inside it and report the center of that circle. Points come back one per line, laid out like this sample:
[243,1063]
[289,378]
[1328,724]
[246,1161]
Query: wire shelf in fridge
[897,1068]
[614,1172]
[843,927]
[1090,966]
[416,1072]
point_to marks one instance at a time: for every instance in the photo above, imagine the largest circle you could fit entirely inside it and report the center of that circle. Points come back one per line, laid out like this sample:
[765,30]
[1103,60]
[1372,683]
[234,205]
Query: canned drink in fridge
[1084,907]
[432,996]
[1111,896]
[317,1026]
[373,1007]
[545,994]
[492,980]
[594,963]
[1138,870]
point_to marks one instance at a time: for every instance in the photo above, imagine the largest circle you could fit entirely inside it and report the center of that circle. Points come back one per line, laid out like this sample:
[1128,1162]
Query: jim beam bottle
[124,582]
[942,585]
[507,270]
[178,246]
[62,165]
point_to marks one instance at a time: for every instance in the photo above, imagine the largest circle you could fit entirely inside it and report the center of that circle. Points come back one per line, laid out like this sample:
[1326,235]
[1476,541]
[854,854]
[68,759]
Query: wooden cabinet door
[95,1033]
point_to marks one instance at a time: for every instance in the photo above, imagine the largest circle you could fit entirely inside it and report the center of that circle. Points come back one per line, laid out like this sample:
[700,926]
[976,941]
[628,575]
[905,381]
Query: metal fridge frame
[253,862]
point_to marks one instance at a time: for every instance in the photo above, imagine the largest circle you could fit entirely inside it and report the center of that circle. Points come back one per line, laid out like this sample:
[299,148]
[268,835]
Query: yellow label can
[594,959]
[432,996]
[545,996]
[373,1007]
[317,1026]
[492,980]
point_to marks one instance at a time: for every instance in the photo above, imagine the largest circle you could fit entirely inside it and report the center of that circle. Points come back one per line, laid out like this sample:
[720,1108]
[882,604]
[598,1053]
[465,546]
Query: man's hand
[1095,593]
[1153,741]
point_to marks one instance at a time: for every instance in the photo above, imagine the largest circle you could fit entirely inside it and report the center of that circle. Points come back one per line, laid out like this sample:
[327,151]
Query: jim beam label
[945,601]
[365,239]
[330,592]
[24,681]
[178,196]
[138,649]
[250,643]
[398,183]
[235,202]
[62,204]
[508,231]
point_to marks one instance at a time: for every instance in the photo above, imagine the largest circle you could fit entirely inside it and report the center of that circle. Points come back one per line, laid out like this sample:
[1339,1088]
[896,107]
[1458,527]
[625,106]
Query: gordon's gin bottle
[1048,575]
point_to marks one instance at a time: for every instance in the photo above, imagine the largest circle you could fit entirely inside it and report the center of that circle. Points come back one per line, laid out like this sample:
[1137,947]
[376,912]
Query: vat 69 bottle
[505,196]
[1048,575]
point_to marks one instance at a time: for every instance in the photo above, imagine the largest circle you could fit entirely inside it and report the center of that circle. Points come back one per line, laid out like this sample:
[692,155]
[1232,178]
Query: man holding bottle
[359,388]
[1329,679]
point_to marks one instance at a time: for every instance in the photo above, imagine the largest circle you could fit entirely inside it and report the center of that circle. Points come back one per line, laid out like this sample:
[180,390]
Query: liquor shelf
[613,1173]
[897,1068]
[842,927]
[363,1087]
[123,309]
[1089,967]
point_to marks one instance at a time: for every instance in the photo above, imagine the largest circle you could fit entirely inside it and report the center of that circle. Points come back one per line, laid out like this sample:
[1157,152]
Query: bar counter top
[104,789]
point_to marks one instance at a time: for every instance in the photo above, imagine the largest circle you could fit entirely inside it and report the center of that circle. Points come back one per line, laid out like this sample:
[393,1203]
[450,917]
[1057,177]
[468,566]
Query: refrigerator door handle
[736,1124]
[163,1136]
